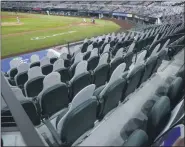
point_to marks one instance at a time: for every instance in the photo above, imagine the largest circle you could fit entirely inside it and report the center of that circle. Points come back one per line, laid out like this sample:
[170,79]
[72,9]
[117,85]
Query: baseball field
[36,31]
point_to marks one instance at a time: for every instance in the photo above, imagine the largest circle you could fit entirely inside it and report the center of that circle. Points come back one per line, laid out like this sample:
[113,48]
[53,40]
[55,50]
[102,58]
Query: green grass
[13,42]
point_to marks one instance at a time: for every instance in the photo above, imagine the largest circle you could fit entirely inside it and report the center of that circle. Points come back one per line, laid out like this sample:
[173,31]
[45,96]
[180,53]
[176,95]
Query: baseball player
[18,20]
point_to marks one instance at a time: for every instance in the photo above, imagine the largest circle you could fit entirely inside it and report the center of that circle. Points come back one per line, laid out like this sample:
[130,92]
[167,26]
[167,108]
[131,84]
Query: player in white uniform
[84,20]
[18,20]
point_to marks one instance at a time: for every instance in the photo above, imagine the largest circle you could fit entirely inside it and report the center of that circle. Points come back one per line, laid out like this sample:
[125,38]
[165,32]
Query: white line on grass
[59,34]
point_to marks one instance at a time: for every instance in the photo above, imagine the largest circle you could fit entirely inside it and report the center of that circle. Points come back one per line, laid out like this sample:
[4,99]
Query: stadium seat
[100,43]
[140,58]
[117,60]
[102,47]
[5,74]
[81,79]
[46,66]
[88,53]
[147,106]
[165,45]
[139,121]
[90,48]
[93,60]
[95,44]
[77,59]
[84,47]
[137,138]
[66,57]
[80,116]
[149,66]
[29,107]
[116,48]
[158,117]
[34,85]
[106,49]
[111,94]
[181,72]
[100,75]
[133,79]
[52,57]
[127,58]
[35,61]
[13,68]
[112,43]
[22,75]
[54,96]
[175,91]
[155,50]
[59,67]
[160,57]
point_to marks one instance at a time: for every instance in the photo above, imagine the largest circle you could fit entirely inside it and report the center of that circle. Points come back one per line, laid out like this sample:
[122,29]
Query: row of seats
[155,113]
[51,86]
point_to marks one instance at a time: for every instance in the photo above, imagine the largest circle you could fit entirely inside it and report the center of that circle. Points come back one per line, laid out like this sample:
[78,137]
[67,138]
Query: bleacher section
[150,9]
[89,96]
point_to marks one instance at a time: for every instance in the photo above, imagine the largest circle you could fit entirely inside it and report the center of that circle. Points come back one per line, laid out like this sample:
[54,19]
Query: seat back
[137,138]
[129,55]
[64,56]
[101,71]
[80,116]
[115,63]
[158,117]
[87,55]
[13,72]
[175,91]
[106,48]
[22,75]
[59,67]
[116,48]
[84,47]
[141,57]
[155,50]
[95,44]
[133,79]
[13,68]
[165,45]
[146,108]
[29,107]
[77,59]
[90,48]
[35,61]
[102,47]
[160,57]
[139,121]
[149,67]
[93,59]
[52,56]
[46,66]
[112,93]
[34,85]
[181,72]
[81,79]
[54,96]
